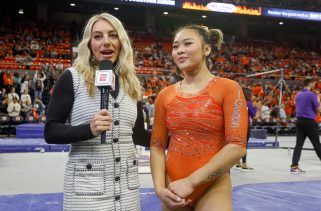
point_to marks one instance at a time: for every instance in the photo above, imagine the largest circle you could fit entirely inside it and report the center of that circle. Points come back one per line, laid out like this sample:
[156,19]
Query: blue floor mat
[11,145]
[285,196]
[53,201]
[262,143]
[282,196]
[30,130]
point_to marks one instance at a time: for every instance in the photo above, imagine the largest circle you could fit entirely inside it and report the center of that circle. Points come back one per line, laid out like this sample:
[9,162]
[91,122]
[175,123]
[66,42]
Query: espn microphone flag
[105,80]
[105,76]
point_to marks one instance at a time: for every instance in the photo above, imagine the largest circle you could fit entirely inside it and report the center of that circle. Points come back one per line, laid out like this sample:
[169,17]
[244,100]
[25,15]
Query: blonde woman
[14,108]
[26,104]
[99,176]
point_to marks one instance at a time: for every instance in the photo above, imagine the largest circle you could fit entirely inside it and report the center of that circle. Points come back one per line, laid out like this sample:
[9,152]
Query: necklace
[193,94]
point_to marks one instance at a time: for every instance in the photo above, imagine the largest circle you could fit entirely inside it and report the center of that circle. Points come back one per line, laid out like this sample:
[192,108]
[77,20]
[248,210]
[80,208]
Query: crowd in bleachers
[37,56]
[15,99]
[28,46]
[32,56]
[254,57]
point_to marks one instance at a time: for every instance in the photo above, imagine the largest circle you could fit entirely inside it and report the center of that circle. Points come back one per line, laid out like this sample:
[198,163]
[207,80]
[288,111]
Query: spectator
[265,112]
[26,104]
[38,108]
[17,81]
[25,83]
[282,113]
[59,67]
[12,95]
[14,108]
[7,80]
[3,101]
[275,113]
[49,76]
[38,80]
[154,80]
[289,107]
[150,107]
[34,45]
[148,92]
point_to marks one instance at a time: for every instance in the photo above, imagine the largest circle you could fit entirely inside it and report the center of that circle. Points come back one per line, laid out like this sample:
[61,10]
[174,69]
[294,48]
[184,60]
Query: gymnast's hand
[170,200]
[100,122]
[182,188]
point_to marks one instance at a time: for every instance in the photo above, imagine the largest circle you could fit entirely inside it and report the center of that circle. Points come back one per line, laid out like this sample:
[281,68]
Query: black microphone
[105,80]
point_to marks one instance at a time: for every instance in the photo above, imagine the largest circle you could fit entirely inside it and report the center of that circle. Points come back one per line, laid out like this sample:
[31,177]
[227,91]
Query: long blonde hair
[87,65]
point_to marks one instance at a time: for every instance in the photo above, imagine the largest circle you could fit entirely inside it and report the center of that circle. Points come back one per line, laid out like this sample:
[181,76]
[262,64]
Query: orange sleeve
[235,114]
[160,132]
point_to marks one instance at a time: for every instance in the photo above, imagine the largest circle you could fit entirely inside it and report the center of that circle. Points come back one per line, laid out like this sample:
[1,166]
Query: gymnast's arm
[58,111]
[158,144]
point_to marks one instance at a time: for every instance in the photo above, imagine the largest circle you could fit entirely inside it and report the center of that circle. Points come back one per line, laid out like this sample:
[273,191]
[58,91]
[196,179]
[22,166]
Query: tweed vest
[102,176]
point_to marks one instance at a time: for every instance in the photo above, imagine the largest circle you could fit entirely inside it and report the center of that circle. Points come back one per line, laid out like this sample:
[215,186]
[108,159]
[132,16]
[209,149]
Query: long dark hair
[212,37]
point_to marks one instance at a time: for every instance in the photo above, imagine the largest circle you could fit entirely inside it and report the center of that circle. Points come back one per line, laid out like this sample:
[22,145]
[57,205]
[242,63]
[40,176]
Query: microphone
[105,80]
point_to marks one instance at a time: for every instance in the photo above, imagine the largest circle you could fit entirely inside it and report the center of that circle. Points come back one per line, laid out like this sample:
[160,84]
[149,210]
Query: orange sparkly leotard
[200,126]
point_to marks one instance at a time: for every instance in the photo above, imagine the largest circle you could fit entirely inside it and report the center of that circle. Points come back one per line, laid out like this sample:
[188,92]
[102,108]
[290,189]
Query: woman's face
[104,41]
[188,51]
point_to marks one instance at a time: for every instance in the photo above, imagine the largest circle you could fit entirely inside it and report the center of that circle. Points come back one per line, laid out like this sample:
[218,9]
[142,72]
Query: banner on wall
[156,2]
[223,7]
[230,8]
[294,14]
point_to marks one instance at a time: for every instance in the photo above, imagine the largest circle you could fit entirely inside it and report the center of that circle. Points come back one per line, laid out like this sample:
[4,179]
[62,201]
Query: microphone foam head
[105,65]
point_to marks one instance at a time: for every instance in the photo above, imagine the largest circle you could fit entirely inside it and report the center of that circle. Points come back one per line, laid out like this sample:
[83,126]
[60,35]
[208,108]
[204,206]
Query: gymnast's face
[104,41]
[188,50]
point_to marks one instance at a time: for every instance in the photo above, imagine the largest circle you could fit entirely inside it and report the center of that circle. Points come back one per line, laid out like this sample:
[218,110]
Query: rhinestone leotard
[200,125]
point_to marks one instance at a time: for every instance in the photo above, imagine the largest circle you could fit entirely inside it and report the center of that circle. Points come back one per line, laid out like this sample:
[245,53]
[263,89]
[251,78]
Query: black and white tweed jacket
[102,176]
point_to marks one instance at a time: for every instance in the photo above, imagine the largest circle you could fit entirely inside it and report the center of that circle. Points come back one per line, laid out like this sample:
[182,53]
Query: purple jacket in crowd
[251,110]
